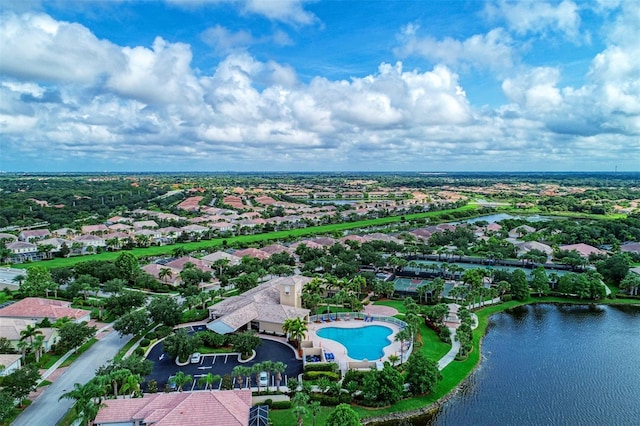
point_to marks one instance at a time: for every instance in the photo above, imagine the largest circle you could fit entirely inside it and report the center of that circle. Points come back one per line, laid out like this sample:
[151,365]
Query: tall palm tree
[88,400]
[181,379]
[165,274]
[240,372]
[29,332]
[297,329]
[403,336]
[268,367]
[207,380]
[38,345]
[278,368]
[19,279]
[257,369]
[118,376]
[131,385]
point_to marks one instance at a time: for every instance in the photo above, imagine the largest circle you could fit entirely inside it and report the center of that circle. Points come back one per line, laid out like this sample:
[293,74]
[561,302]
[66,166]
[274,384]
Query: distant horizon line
[435,172]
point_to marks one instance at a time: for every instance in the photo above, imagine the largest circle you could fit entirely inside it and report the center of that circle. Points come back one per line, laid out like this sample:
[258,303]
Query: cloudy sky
[289,85]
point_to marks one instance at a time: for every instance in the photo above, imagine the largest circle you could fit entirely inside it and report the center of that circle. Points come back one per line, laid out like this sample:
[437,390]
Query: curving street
[47,409]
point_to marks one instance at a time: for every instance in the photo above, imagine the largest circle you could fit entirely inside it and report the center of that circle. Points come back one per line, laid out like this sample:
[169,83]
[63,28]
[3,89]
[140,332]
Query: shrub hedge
[315,375]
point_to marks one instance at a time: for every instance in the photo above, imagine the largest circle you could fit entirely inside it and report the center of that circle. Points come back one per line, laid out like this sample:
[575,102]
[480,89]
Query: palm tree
[279,368]
[131,385]
[268,367]
[19,279]
[403,336]
[38,345]
[181,379]
[296,328]
[315,409]
[240,372]
[299,403]
[23,345]
[29,332]
[208,380]
[88,400]
[257,369]
[165,274]
[118,376]
[393,359]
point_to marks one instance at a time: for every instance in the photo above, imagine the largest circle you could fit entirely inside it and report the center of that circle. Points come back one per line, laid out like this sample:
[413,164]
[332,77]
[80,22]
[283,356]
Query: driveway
[47,409]
[164,366]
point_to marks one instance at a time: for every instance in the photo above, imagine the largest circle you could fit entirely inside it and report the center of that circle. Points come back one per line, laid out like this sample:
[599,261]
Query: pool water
[365,342]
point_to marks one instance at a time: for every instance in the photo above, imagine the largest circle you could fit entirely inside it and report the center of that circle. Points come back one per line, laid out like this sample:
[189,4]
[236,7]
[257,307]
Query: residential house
[33,235]
[209,408]
[583,250]
[521,231]
[12,327]
[8,237]
[219,255]
[38,308]
[252,252]
[181,261]
[263,308]
[155,269]
[94,229]
[10,363]
[90,241]
[630,248]
[148,224]
[22,251]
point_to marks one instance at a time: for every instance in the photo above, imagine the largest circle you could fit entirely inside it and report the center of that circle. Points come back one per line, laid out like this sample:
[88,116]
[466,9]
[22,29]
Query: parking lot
[221,364]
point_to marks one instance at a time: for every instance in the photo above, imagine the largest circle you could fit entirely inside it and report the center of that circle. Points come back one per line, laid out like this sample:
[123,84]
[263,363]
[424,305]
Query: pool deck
[338,350]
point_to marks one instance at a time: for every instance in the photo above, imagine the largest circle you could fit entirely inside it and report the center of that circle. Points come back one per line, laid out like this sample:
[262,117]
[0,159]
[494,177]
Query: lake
[553,365]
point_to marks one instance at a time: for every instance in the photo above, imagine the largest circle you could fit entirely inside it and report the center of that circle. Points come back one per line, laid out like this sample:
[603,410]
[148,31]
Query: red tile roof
[37,307]
[219,408]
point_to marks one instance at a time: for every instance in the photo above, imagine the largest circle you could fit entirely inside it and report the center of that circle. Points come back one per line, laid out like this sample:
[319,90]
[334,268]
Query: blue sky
[288,85]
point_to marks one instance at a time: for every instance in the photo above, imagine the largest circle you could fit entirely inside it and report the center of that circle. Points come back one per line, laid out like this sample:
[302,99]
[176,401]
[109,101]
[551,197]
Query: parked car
[171,382]
[195,358]
[264,380]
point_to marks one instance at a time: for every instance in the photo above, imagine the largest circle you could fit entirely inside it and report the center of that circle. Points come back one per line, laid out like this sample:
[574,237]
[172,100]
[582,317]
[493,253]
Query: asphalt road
[47,410]
[164,366]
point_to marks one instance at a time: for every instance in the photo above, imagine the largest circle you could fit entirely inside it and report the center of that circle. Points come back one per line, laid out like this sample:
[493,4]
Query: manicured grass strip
[396,304]
[80,351]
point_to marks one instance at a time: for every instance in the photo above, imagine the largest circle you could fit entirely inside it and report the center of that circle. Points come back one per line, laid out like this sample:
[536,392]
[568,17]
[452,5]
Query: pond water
[552,365]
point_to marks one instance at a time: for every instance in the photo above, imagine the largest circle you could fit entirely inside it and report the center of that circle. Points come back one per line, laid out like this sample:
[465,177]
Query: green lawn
[397,304]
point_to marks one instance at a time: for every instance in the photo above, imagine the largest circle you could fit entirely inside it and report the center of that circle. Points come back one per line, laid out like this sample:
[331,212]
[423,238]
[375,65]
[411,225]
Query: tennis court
[408,285]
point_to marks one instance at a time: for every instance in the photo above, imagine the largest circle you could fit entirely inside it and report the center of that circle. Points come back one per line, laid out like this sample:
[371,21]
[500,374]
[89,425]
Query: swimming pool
[365,342]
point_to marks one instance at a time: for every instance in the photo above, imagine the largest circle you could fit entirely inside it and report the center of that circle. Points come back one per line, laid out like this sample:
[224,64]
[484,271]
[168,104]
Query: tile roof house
[155,268]
[38,308]
[89,229]
[7,237]
[181,261]
[11,328]
[34,234]
[10,362]
[583,250]
[264,307]
[252,252]
[214,408]
[527,246]
[630,248]
[219,255]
